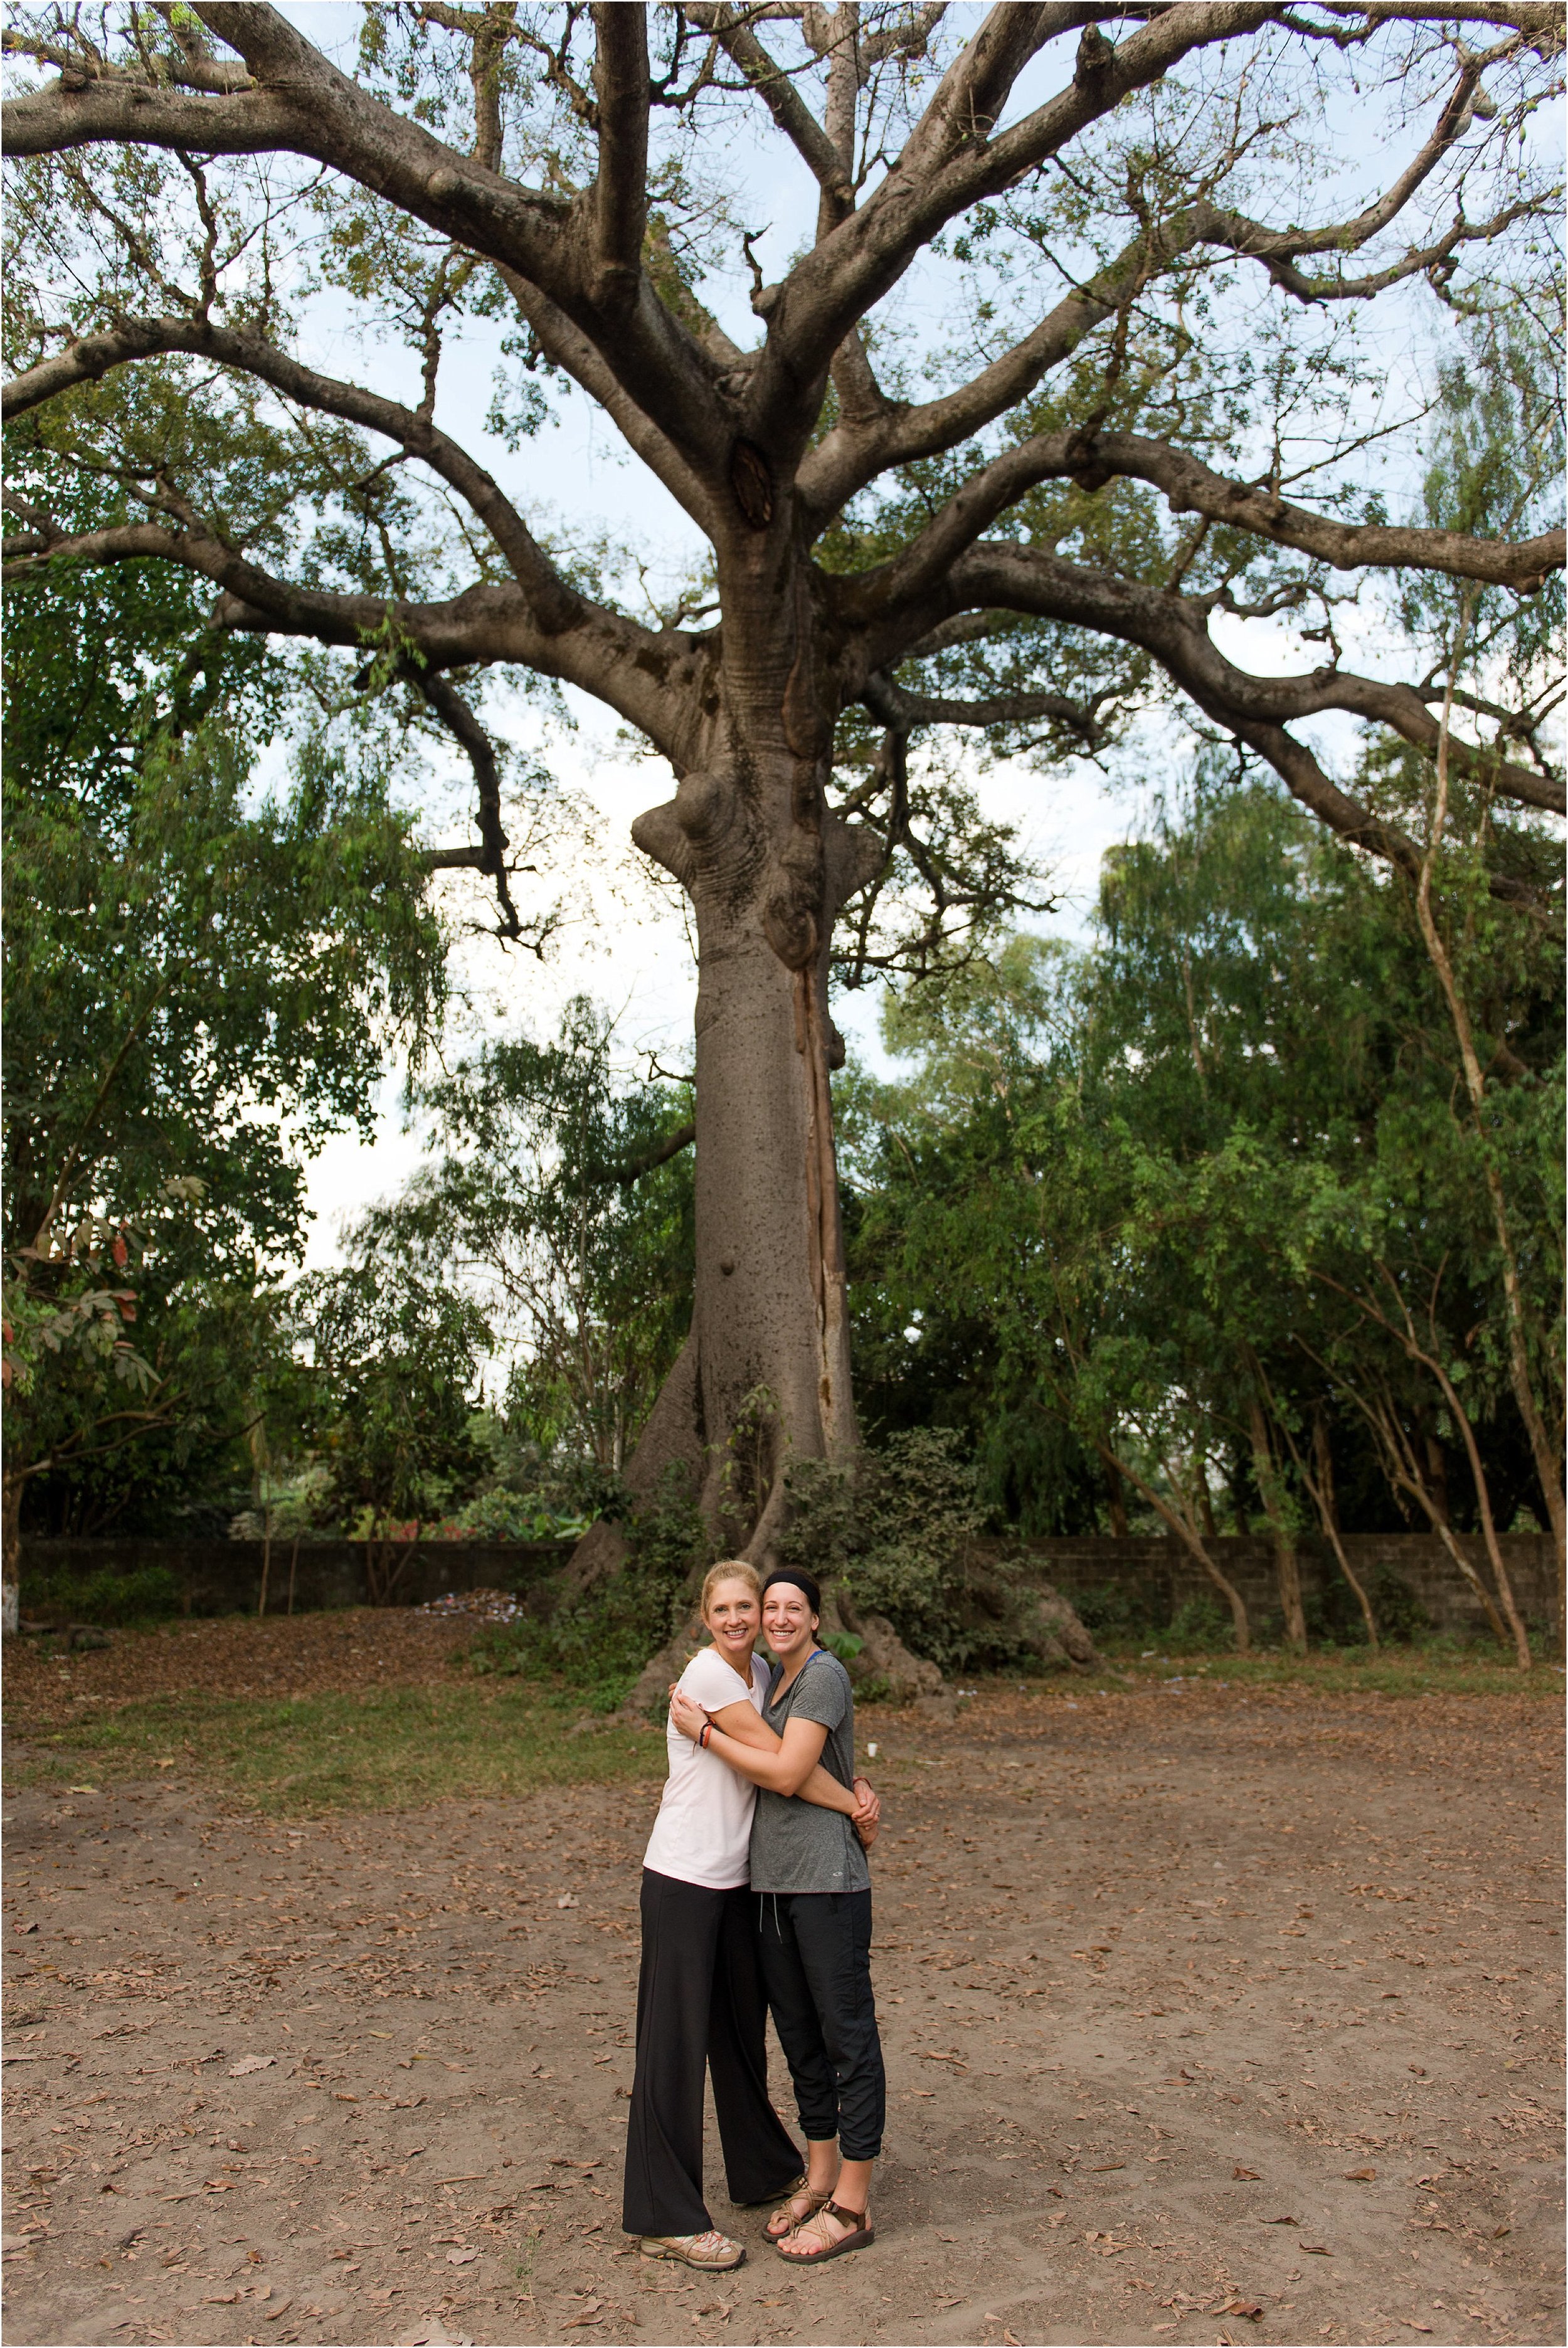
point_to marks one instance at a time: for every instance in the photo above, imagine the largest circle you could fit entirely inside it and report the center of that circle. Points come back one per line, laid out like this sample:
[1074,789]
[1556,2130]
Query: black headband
[797,1579]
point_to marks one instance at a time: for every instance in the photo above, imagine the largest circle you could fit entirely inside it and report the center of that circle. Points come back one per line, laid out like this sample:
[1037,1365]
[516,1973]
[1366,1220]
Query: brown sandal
[862,2234]
[801,2192]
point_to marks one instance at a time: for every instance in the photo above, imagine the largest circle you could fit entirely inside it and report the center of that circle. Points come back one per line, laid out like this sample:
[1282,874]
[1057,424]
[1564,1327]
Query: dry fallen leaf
[1317,2249]
[1360,2175]
[460,2258]
[1251,2173]
[249,2063]
[1248,2307]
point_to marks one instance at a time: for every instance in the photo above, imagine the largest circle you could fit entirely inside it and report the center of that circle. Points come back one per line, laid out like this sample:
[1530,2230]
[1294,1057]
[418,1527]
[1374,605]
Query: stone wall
[224,1577]
[1161,1575]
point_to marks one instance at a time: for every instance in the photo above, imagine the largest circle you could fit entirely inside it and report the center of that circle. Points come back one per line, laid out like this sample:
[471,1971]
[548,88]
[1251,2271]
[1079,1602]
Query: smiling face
[734,1618]
[788,1620]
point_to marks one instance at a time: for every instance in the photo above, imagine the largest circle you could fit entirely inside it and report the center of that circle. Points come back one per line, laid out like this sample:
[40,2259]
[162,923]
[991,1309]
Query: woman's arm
[738,1726]
[783,1765]
[742,1722]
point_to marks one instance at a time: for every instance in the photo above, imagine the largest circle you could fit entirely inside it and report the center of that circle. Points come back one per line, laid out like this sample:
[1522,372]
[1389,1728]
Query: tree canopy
[1096,365]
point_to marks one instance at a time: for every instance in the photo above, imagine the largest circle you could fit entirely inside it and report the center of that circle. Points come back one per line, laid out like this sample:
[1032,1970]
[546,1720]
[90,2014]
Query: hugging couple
[756,1896]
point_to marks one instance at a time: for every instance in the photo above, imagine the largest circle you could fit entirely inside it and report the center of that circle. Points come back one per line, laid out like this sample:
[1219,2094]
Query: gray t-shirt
[796,1845]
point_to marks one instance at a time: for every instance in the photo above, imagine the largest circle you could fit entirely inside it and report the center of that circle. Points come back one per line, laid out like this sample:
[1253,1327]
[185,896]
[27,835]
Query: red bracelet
[703,1734]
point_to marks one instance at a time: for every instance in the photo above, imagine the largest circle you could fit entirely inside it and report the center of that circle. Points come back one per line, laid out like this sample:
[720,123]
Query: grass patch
[386,1748]
[1431,1670]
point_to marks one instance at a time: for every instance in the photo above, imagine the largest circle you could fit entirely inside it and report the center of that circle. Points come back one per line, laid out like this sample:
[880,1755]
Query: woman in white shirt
[699,2003]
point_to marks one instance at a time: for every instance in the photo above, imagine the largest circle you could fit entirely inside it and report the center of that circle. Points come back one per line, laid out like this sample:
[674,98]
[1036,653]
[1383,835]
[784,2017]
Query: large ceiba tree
[1063,389]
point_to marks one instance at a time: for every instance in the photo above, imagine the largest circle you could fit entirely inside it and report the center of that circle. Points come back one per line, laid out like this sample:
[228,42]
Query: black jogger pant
[698,2007]
[815,1949]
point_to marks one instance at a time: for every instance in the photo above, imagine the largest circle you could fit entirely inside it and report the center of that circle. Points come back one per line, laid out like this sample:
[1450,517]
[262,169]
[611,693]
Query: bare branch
[1255,709]
[556,605]
[653,680]
[1189,487]
[621,189]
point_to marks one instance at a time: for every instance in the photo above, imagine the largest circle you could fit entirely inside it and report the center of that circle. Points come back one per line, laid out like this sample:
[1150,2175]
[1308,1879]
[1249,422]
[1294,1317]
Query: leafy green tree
[1206,1191]
[396,1353]
[561,1197]
[204,975]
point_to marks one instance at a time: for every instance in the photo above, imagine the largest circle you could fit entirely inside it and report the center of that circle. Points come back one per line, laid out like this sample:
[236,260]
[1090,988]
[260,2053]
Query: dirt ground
[1209,2015]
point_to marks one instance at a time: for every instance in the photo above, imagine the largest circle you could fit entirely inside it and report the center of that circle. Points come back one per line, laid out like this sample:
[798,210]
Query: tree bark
[11,1555]
[1287,1563]
[1116,1502]
[764,1376]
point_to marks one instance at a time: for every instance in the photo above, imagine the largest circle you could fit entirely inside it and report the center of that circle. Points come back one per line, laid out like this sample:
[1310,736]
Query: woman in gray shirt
[813,1891]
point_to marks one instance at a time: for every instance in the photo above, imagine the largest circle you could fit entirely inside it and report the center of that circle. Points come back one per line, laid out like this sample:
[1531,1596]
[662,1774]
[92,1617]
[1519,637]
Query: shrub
[899,1538]
[1399,1612]
[149,1594]
[1198,1626]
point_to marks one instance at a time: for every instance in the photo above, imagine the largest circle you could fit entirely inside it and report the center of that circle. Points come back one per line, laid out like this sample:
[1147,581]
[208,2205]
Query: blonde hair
[730,1568]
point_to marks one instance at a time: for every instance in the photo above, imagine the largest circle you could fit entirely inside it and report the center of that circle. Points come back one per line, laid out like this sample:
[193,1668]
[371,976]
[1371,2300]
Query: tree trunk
[11,1555]
[764,1377]
[1287,1563]
[1117,1501]
[1321,1491]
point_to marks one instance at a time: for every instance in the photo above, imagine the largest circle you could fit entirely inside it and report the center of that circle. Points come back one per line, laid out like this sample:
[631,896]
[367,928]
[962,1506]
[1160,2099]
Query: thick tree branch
[1082,717]
[556,604]
[1256,709]
[654,680]
[566,345]
[448,705]
[303,104]
[659,1153]
[1190,487]
[621,188]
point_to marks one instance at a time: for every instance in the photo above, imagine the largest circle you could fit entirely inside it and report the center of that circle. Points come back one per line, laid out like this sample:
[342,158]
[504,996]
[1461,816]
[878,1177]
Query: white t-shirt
[703,1830]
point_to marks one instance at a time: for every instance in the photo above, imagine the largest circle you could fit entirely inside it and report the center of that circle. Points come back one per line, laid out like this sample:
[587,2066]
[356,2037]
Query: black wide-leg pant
[815,1951]
[700,2007]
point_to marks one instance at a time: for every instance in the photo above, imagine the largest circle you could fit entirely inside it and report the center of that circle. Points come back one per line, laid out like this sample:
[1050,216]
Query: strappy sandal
[862,2233]
[709,2251]
[786,2210]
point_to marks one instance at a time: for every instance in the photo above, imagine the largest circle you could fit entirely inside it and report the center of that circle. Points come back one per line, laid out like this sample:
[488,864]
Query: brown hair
[730,1568]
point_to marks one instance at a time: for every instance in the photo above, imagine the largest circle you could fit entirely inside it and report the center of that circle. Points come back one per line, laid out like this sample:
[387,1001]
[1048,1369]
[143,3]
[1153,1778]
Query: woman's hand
[866,1817]
[689,1718]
